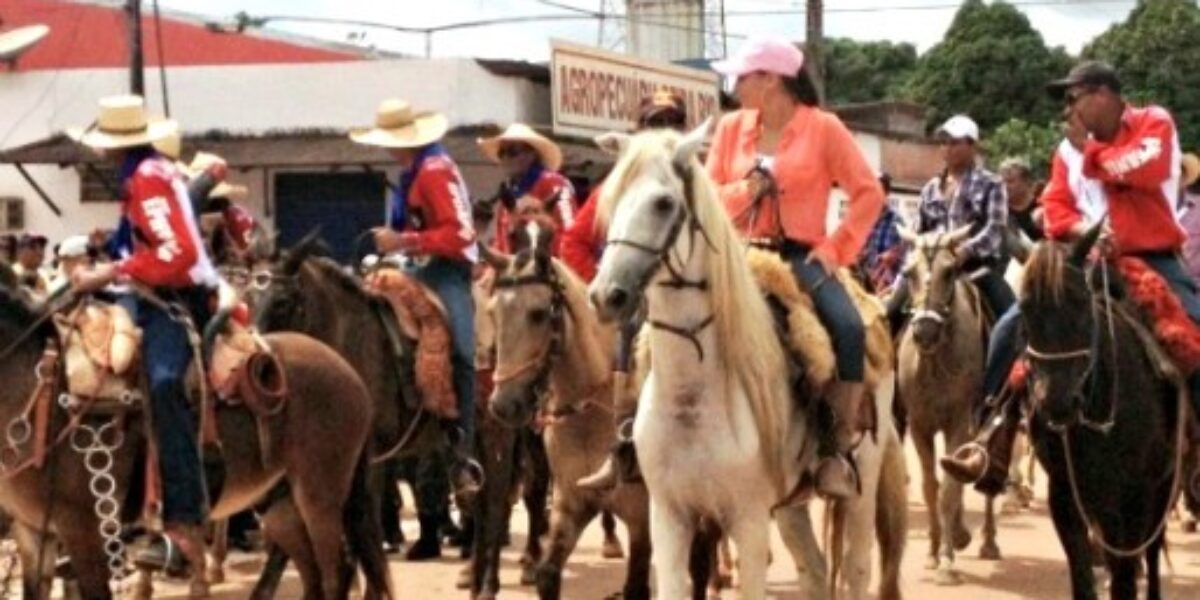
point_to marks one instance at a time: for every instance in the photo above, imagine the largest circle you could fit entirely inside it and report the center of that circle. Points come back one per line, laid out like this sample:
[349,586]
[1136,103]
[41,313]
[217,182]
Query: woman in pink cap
[776,161]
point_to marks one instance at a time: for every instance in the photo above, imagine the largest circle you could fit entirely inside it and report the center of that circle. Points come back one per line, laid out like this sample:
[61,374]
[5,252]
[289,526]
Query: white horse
[718,433]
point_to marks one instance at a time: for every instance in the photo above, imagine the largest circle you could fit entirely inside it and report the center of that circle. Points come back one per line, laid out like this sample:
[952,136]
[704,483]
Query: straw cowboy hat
[170,146]
[1191,169]
[397,125]
[549,152]
[200,163]
[123,123]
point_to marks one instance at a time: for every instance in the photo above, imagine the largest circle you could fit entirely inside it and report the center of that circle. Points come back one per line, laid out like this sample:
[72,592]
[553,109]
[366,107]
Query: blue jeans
[166,357]
[451,281]
[837,312]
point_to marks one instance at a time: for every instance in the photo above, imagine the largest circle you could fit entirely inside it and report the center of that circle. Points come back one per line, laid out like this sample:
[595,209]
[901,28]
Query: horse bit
[665,254]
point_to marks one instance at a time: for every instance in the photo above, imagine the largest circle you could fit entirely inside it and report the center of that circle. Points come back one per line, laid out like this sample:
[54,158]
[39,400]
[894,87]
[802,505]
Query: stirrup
[625,430]
[987,461]
[471,470]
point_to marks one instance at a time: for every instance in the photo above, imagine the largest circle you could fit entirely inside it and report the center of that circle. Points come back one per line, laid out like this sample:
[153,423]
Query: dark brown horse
[317,447]
[1106,423]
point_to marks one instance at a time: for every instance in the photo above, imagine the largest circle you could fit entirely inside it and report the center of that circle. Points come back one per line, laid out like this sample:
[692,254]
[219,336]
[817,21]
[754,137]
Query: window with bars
[98,184]
[12,213]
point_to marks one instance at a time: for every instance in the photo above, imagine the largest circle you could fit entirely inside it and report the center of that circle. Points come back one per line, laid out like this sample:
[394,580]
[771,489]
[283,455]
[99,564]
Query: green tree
[1020,139]
[992,65]
[865,71]
[1156,52]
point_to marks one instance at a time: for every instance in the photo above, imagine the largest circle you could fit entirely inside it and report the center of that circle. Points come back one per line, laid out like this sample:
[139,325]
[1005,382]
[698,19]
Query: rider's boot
[984,460]
[836,474]
[621,465]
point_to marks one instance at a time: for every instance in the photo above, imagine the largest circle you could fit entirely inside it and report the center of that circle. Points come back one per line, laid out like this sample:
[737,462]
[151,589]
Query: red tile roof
[85,36]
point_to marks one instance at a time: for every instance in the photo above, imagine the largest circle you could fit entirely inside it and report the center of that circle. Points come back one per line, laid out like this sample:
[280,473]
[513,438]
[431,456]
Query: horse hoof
[947,577]
[962,539]
[216,575]
[1189,526]
[989,552]
[464,578]
[197,590]
[528,575]
[485,596]
[612,550]
[931,563]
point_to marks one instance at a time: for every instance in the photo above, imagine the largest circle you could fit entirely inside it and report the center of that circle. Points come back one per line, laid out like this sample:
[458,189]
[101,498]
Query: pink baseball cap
[763,53]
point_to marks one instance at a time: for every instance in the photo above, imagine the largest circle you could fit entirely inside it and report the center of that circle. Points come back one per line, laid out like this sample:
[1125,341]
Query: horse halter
[545,359]
[939,315]
[684,171]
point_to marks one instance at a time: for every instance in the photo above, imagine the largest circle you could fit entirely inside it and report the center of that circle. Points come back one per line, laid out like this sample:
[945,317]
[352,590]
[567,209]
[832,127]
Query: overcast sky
[1069,23]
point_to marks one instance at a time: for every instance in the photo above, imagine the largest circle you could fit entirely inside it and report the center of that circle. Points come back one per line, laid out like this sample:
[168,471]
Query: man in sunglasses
[533,187]
[1132,156]
[964,194]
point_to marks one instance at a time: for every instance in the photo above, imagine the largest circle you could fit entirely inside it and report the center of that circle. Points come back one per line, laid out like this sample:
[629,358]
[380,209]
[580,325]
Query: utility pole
[137,75]
[815,43]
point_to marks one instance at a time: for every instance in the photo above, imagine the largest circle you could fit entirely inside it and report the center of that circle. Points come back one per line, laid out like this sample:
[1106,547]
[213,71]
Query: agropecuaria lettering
[598,94]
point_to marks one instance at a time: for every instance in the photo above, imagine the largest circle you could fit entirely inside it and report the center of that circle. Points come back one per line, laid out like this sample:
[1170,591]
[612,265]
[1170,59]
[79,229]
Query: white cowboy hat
[200,163]
[549,152]
[398,126]
[123,123]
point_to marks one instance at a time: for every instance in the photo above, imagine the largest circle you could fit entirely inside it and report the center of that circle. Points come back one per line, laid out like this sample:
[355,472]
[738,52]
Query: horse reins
[677,281]
[542,362]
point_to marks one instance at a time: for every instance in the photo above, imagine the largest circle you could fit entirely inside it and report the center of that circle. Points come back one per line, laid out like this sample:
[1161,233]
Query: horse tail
[835,542]
[363,534]
[891,516]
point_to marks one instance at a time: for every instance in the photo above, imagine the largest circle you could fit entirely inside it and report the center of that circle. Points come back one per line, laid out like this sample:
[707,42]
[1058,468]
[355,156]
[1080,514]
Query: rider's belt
[794,248]
[768,244]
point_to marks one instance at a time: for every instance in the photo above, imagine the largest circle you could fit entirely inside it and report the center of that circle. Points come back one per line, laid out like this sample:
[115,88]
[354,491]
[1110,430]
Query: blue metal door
[341,205]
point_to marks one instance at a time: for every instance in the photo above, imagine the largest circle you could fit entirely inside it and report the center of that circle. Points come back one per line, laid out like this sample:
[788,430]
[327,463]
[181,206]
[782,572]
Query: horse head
[279,294]
[1058,306]
[932,276]
[528,311]
[646,202]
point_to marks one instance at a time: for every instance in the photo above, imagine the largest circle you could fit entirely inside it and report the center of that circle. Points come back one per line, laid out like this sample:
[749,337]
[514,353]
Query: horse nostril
[616,299]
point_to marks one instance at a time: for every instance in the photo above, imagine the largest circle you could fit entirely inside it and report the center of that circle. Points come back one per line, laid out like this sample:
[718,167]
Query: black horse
[1106,420]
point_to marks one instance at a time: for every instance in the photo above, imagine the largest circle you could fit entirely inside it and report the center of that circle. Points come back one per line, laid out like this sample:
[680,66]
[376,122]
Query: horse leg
[637,571]
[81,541]
[1123,584]
[571,517]
[321,512]
[33,550]
[751,533]
[492,508]
[536,489]
[923,443]
[283,527]
[989,550]
[1073,535]
[955,536]
[859,524]
[703,559]
[672,533]
[611,549]
[796,528]
[219,551]
[1153,584]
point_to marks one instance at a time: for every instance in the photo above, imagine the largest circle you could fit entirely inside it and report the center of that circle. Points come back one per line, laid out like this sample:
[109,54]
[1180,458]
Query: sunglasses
[511,151]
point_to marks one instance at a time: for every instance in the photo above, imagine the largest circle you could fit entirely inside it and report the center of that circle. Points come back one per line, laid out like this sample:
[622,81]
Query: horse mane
[1043,278]
[748,344]
[334,272]
[578,310]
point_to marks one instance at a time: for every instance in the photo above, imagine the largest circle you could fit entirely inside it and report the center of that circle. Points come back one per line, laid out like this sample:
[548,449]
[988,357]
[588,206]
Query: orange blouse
[815,151]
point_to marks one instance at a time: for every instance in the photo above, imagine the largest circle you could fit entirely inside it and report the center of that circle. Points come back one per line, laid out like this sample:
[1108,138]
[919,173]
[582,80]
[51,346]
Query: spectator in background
[533,184]
[883,253]
[31,254]
[1024,211]
[73,254]
[1189,213]
[8,248]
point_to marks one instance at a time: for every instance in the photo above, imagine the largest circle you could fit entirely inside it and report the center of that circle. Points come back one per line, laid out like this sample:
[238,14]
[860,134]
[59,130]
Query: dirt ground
[1033,566]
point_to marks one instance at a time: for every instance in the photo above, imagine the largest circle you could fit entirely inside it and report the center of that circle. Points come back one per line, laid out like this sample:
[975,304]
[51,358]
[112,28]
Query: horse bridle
[542,362]
[665,254]
[1091,353]
[938,314]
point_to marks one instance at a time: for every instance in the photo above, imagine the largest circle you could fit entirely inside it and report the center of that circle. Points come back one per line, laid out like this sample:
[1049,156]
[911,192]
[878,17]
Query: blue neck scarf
[520,187]
[399,215]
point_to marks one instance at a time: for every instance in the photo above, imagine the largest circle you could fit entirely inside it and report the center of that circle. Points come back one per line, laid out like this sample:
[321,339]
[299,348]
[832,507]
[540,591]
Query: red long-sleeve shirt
[440,202]
[1139,171]
[556,194]
[168,250]
[582,242]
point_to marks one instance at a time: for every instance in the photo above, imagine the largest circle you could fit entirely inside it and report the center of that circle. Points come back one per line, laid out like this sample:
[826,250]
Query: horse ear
[1081,248]
[498,260]
[908,235]
[693,140]
[307,246]
[613,142]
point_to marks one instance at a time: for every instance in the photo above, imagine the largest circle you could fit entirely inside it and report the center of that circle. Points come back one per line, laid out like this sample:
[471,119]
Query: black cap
[1089,72]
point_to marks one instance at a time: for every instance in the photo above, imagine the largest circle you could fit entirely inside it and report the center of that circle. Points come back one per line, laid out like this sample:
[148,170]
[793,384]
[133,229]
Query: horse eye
[663,205]
[262,280]
[538,316]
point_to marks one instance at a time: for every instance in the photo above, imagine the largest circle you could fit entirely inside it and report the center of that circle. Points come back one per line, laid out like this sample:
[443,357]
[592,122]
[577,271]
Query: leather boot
[836,476]
[620,466]
[466,474]
[984,460]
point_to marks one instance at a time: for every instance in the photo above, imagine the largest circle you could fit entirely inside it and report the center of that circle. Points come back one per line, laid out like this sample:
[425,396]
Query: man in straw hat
[431,218]
[581,247]
[534,186]
[167,256]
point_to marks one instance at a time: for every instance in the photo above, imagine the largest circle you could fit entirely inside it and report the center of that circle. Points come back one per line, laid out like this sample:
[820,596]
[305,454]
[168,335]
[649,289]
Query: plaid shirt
[884,238]
[980,202]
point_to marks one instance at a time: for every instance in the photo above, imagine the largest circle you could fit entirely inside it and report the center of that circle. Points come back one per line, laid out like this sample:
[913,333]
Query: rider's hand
[758,182]
[218,171]
[84,281]
[387,240]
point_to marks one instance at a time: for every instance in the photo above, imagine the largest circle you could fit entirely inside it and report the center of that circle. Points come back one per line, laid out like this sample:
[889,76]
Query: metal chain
[96,445]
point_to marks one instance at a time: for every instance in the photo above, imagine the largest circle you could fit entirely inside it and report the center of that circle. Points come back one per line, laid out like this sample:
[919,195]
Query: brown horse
[552,349]
[317,447]
[941,358]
